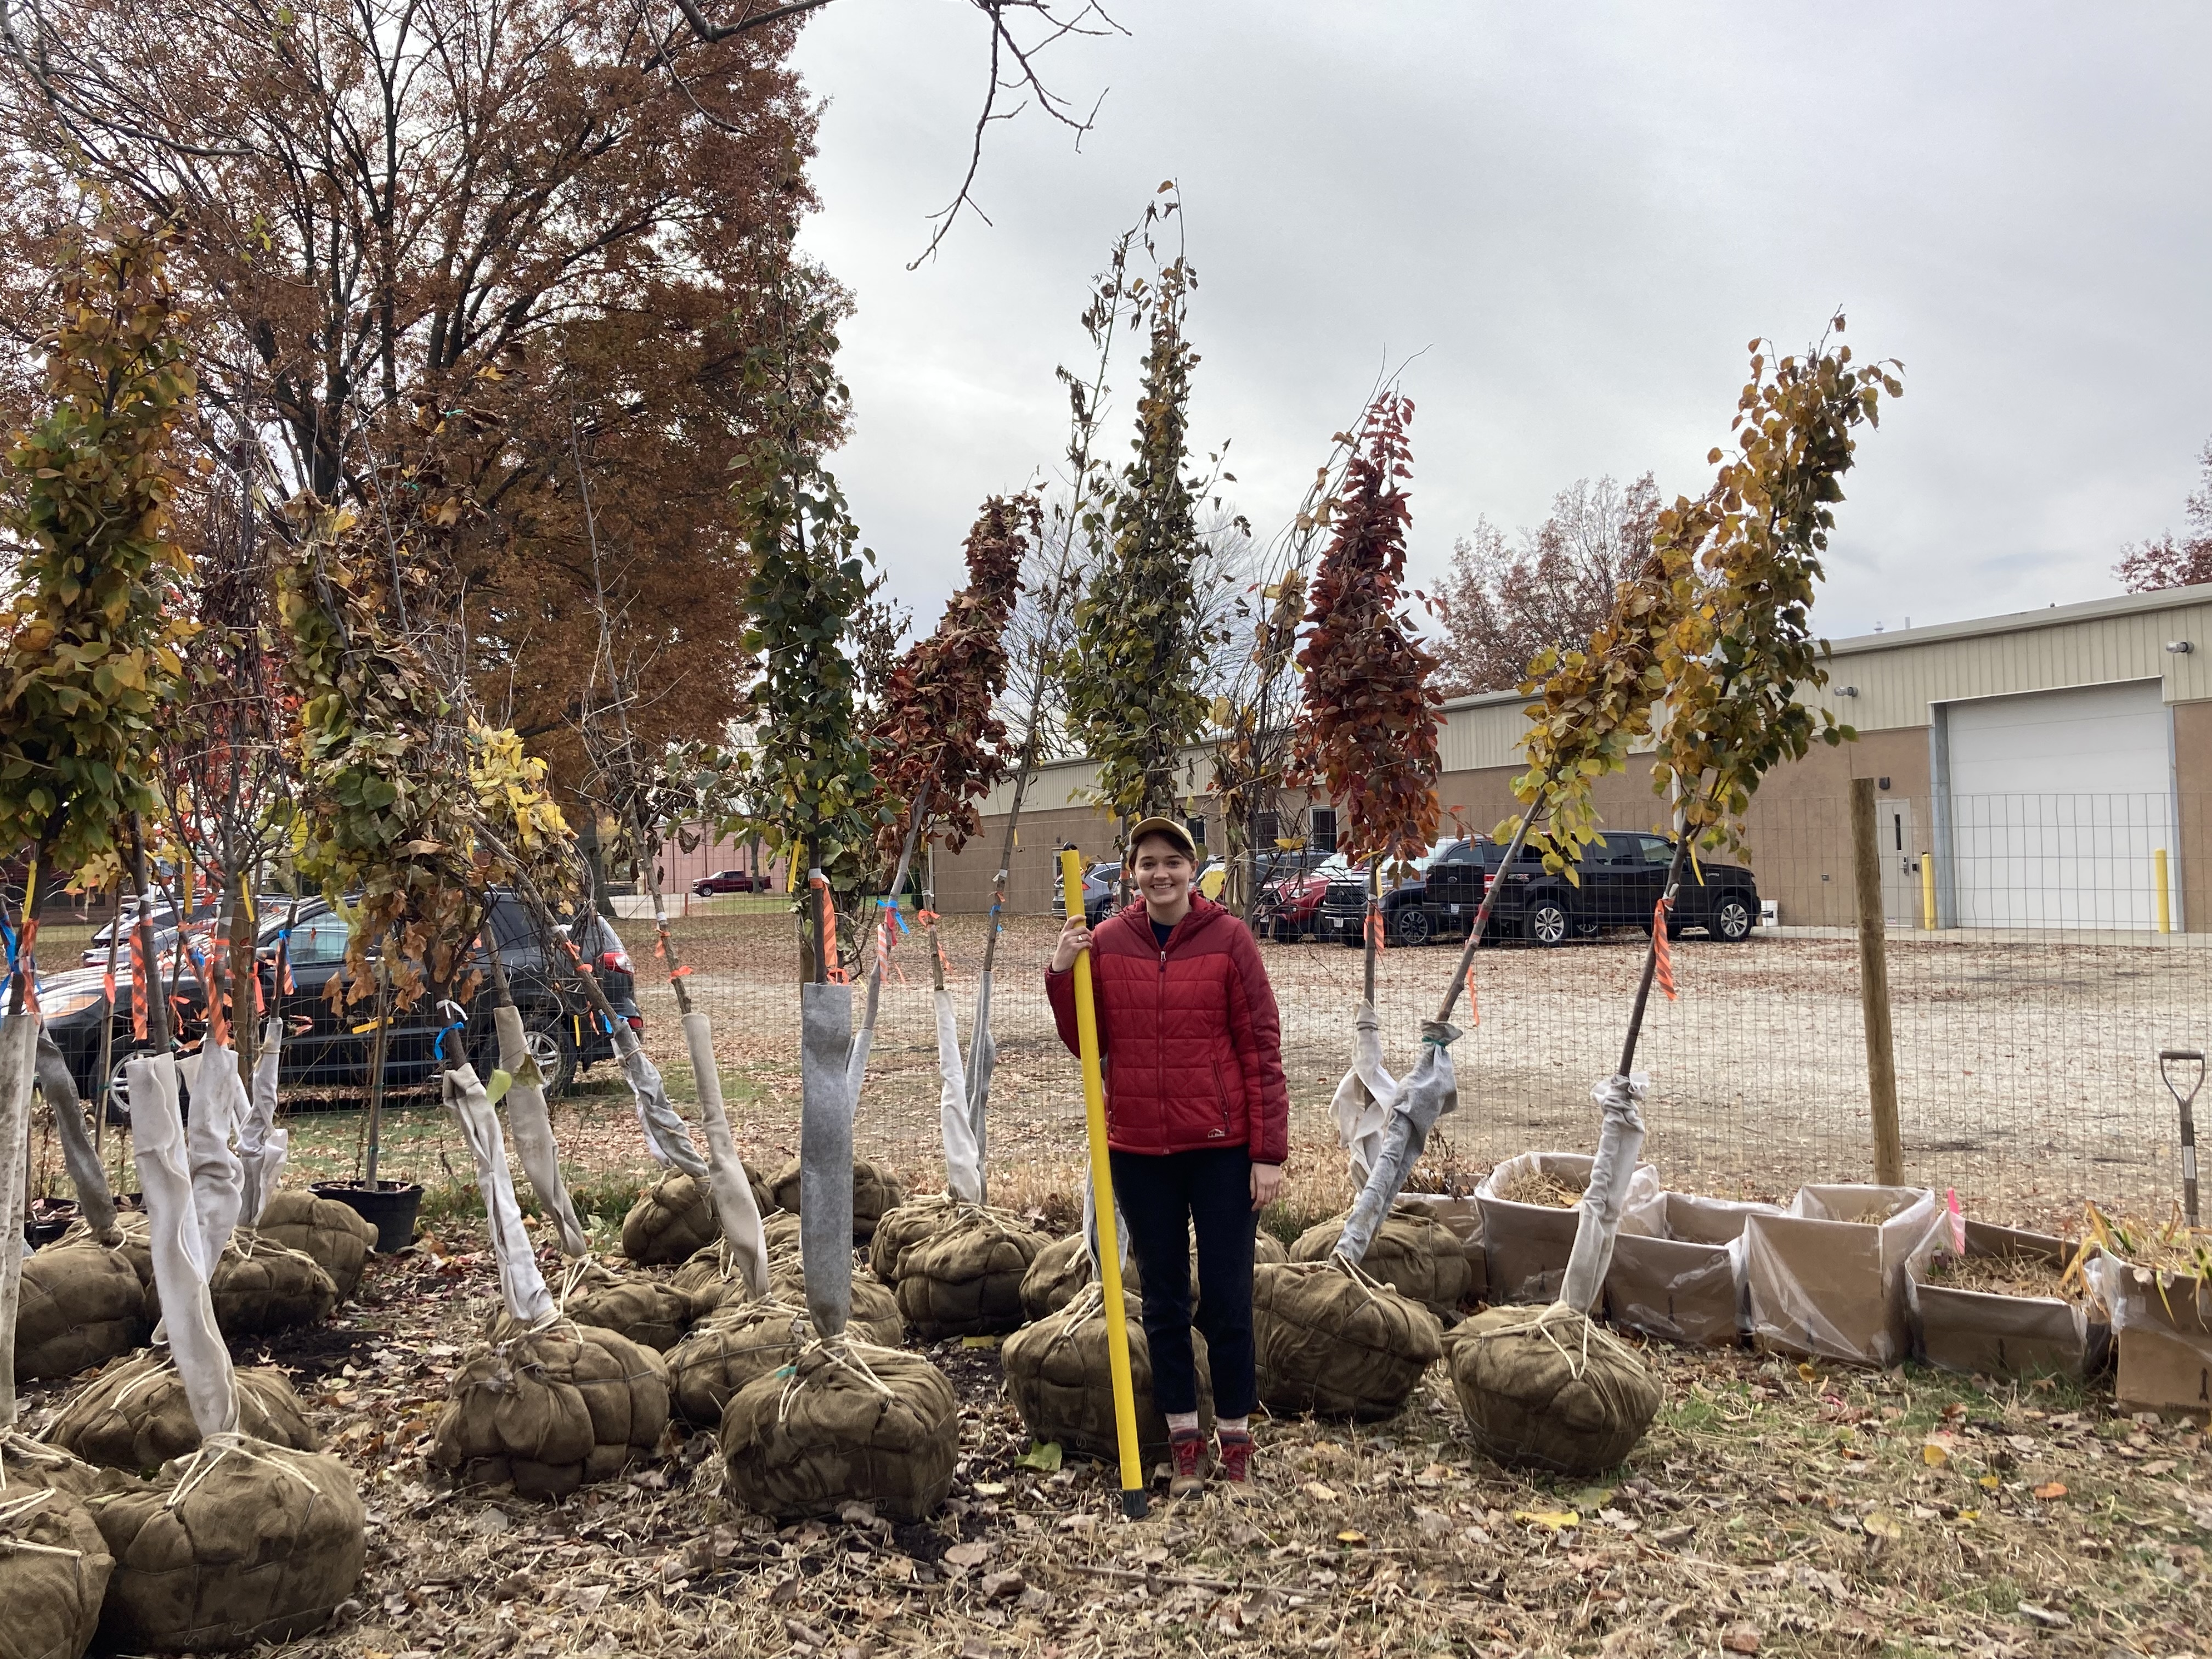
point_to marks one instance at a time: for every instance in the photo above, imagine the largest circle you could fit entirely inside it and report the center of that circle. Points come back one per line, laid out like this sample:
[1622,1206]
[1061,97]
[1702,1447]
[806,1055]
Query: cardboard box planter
[1688,1285]
[1990,1334]
[1527,1244]
[1826,1279]
[2163,1323]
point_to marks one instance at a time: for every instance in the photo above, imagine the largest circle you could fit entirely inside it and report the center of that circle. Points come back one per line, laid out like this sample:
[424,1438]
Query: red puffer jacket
[1192,1045]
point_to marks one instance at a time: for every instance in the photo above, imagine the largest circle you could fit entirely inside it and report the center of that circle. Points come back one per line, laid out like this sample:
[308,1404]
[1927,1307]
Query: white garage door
[2058,801]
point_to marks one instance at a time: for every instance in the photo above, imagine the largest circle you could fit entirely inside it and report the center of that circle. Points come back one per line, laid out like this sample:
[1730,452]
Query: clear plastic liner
[1528,1246]
[1827,1279]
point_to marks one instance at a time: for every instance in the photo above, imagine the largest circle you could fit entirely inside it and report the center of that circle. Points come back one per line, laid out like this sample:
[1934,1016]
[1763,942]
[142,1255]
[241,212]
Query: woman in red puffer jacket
[1198,1120]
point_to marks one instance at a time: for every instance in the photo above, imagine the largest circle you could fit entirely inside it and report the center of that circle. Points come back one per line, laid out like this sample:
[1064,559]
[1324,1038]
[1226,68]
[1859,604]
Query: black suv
[1621,878]
[563,1032]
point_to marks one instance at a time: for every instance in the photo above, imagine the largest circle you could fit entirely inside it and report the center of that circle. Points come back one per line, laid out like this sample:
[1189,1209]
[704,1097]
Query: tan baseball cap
[1174,830]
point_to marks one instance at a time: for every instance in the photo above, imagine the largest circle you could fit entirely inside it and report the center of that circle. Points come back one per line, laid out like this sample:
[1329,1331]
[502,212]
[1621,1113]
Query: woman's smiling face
[1161,871]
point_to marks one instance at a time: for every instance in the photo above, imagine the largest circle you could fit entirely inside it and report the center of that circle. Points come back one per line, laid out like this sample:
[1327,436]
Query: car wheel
[1548,922]
[551,1041]
[1412,925]
[117,1105]
[1732,919]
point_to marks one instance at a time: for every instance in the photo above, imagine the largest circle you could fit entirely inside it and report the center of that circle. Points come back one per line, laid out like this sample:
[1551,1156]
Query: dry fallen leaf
[2049,1490]
[1741,1638]
[1555,1519]
[1320,1492]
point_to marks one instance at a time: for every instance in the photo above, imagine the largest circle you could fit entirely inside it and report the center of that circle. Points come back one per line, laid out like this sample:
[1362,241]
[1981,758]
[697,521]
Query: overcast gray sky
[1578,215]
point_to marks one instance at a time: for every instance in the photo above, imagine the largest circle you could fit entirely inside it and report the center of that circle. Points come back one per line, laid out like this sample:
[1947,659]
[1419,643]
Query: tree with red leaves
[1367,731]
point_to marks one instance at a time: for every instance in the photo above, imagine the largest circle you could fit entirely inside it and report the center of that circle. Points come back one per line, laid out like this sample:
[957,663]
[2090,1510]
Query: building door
[2059,802]
[1900,860]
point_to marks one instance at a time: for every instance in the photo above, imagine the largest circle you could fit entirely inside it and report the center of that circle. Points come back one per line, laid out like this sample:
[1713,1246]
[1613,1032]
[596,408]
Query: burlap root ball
[708,1278]
[1550,1390]
[670,1221]
[1416,1255]
[1336,1347]
[137,1248]
[851,1424]
[1268,1251]
[1059,1378]
[1062,1269]
[260,1544]
[905,1225]
[54,1568]
[738,1343]
[260,1287]
[336,1236]
[134,1414]
[552,1409]
[653,1312]
[874,1192]
[965,1279]
[874,1316]
[79,1308]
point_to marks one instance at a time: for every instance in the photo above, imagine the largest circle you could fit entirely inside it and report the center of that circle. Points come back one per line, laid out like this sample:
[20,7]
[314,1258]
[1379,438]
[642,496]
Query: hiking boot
[1235,1456]
[1188,1448]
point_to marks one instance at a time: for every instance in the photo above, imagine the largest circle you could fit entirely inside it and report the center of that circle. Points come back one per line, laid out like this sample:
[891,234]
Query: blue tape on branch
[897,916]
[439,1047]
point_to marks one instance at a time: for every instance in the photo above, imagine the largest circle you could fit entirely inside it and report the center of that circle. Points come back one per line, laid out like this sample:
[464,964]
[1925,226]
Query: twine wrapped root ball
[739,1343]
[1416,1255]
[335,1235]
[874,1192]
[652,1312]
[1057,1376]
[137,1248]
[672,1221]
[54,1568]
[134,1414]
[547,1411]
[241,1542]
[904,1225]
[965,1279]
[875,1316]
[851,1424]
[1335,1342]
[260,1287]
[1548,1388]
[80,1306]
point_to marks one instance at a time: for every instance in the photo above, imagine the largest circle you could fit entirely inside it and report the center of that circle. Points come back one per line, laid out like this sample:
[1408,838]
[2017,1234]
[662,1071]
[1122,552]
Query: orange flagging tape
[1376,932]
[832,971]
[1473,1011]
[141,1026]
[1662,948]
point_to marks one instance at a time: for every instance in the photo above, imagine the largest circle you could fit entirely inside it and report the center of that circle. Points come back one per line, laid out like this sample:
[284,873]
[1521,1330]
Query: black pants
[1162,1197]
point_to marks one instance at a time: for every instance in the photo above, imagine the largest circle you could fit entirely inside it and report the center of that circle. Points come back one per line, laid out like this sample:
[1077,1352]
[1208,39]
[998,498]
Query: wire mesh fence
[2039,960]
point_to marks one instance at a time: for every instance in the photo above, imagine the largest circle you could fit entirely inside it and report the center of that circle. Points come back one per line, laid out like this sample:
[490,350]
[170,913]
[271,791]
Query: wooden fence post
[1873,989]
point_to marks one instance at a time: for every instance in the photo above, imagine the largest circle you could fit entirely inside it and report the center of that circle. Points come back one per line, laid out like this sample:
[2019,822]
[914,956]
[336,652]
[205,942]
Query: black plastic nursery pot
[389,1208]
[47,1219]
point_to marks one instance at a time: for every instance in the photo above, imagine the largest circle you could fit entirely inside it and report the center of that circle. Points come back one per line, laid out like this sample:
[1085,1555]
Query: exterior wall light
[2179,647]
[1852,691]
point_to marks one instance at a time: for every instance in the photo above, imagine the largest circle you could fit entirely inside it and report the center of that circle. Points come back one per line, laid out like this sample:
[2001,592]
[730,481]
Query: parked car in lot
[1407,916]
[1290,905]
[730,881]
[1619,883]
[563,1033]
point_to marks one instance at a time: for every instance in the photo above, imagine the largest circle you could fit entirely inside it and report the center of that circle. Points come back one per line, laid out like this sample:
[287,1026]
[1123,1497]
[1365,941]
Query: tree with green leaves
[810,793]
[92,635]
[1140,649]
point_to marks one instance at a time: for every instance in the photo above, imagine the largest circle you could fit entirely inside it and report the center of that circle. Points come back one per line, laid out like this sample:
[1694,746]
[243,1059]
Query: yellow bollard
[1928,891]
[1102,1187]
[2158,883]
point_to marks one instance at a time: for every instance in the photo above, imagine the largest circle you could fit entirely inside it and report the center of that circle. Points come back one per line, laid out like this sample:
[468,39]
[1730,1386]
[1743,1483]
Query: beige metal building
[2036,770]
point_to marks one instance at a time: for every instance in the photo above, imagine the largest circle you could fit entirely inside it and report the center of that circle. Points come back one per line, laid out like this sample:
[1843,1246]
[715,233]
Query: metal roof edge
[2021,621]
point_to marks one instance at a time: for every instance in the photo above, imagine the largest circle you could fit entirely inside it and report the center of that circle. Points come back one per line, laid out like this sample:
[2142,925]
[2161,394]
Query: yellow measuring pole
[1928,890]
[2165,899]
[1102,1187]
